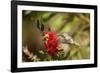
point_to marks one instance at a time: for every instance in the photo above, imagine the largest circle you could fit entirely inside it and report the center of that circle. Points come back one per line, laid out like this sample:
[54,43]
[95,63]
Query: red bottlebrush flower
[52,43]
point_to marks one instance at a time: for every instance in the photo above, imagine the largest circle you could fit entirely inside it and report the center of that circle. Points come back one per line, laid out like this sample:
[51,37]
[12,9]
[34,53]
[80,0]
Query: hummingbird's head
[66,39]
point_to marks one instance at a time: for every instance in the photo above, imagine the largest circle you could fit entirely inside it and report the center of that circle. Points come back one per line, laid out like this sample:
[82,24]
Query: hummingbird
[66,41]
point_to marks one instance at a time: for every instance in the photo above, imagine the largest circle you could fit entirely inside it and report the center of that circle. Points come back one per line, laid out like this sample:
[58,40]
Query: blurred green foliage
[77,25]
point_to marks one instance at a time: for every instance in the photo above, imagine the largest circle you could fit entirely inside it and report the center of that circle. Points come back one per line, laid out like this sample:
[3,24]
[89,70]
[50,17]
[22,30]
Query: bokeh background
[76,25]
